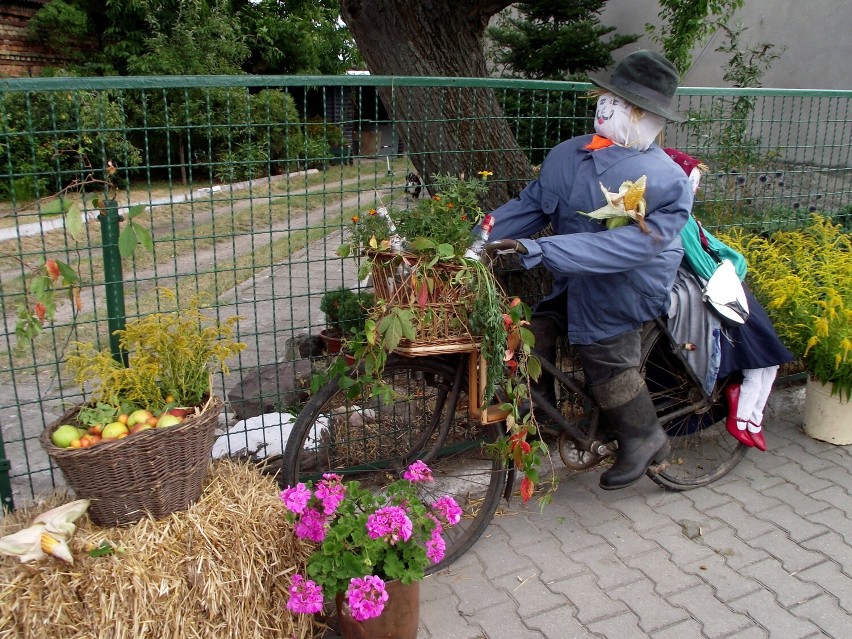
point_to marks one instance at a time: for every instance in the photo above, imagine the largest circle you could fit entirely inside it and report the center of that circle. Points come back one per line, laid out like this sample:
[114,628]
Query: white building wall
[817,35]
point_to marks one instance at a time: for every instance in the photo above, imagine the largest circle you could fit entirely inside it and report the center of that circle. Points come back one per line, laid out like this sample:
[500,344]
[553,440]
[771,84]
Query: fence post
[6,498]
[113,278]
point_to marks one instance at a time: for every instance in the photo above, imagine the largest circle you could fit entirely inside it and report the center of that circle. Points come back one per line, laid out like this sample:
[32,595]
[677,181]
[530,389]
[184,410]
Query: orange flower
[373,211]
[437,198]
[450,205]
[355,219]
[464,217]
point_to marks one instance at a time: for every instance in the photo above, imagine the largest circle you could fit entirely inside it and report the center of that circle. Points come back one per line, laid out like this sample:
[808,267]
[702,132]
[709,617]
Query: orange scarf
[598,142]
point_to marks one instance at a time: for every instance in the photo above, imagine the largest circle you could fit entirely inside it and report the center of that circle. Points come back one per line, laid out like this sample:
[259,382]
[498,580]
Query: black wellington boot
[641,439]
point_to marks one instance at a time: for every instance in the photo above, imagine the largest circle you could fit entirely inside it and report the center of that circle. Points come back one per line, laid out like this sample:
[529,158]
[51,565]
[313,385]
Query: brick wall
[18,56]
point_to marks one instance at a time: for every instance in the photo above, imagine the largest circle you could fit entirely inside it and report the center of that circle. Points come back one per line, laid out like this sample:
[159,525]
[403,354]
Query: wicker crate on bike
[437,291]
[153,473]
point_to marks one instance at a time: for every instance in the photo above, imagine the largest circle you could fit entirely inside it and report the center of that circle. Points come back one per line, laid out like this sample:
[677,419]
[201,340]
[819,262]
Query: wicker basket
[151,473]
[445,302]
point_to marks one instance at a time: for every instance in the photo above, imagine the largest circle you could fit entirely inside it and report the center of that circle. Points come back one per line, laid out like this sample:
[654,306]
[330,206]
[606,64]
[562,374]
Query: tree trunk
[446,130]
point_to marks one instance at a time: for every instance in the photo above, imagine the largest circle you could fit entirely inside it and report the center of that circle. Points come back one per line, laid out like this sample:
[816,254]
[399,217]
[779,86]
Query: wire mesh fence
[239,191]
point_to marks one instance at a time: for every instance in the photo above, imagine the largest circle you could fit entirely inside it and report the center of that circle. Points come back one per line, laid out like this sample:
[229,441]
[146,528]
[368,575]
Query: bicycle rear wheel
[702,450]
[374,442]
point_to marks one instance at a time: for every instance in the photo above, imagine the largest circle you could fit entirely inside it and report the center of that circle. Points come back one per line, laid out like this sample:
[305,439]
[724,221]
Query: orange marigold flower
[464,217]
[450,205]
[527,489]
[52,269]
[355,219]
[437,198]
[373,211]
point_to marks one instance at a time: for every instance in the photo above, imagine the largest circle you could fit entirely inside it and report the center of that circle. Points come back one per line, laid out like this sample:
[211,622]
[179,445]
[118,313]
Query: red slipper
[732,392]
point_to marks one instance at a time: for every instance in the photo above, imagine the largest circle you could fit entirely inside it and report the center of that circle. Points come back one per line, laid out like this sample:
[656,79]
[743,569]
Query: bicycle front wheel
[702,450]
[374,442]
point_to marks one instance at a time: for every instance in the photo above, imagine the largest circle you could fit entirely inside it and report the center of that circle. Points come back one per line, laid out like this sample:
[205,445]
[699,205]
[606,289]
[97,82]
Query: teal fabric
[701,262]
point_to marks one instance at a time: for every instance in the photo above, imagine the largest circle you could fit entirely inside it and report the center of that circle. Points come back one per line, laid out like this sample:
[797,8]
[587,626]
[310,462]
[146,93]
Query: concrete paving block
[829,578]
[727,583]
[590,602]
[824,613]
[802,472]
[788,589]
[756,478]
[643,517]
[552,562]
[796,527]
[474,591]
[753,499]
[496,556]
[837,474]
[530,592]
[682,550]
[707,497]
[504,621]
[837,495]
[667,576]
[653,611]
[792,556]
[765,610]
[837,520]
[623,626]
[610,571]
[681,630]
[790,494]
[736,552]
[716,619]
[557,623]
[746,525]
[575,538]
[833,547]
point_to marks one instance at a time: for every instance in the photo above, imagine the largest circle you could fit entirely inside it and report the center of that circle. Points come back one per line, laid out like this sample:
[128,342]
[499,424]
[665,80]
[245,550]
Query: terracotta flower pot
[333,341]
[399,619]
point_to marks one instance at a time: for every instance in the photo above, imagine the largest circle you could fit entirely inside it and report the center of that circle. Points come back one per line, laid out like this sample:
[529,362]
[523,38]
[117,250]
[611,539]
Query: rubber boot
[629,411]
[732,392]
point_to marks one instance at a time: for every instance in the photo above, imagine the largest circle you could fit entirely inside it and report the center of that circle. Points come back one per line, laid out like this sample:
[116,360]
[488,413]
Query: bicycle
[433,419]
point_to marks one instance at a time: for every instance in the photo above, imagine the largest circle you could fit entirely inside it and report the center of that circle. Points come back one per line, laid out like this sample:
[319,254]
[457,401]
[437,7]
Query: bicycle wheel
[702,450]
[373,442]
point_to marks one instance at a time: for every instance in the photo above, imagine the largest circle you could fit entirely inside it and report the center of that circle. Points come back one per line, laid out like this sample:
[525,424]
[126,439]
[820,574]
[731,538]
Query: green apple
[64,435]
[113,430]
[138,416]
[167,419]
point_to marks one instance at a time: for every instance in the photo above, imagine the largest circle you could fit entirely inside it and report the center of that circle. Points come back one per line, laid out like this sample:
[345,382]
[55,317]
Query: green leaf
[135,210]
[68,274]
[127,241]
[445,250]
[144,236]
[533,367]
[422,244]
[55,207]
[344,250]
[104,550]
[74,222]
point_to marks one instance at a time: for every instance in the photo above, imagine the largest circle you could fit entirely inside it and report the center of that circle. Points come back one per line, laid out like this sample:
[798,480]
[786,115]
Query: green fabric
[701,262]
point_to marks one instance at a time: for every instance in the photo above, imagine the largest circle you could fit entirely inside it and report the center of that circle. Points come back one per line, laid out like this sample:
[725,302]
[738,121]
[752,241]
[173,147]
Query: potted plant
[372,550]
[345,312]
[804,278]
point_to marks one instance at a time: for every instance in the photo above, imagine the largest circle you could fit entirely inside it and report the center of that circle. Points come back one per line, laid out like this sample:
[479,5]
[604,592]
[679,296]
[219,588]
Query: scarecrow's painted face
[625,124]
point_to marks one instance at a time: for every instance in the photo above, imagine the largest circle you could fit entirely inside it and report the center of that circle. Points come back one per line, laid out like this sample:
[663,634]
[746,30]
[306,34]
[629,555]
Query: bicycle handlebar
[500,247]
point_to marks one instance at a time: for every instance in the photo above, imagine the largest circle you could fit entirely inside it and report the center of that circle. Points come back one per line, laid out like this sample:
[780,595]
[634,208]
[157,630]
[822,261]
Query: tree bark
[446,130]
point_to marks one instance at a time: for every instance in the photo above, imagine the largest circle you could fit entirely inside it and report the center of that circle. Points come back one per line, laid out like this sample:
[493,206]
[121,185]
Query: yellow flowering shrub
[804,278]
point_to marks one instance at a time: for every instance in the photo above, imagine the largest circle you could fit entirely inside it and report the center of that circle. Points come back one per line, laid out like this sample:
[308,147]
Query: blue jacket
[615,279]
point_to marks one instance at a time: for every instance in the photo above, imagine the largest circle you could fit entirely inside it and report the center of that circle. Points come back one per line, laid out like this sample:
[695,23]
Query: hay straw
[219,569]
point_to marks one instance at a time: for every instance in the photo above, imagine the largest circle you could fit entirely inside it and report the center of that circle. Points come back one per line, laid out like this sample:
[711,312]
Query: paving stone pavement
[774,557]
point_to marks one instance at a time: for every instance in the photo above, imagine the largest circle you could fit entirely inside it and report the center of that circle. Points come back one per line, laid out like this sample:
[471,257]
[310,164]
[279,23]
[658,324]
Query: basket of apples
[141,446]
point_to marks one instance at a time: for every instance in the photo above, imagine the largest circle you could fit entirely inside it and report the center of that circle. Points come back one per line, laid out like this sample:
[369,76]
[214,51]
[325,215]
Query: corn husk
[219,569]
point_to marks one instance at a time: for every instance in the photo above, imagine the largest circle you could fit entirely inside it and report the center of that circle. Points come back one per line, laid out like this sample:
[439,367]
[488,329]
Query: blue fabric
[615,279]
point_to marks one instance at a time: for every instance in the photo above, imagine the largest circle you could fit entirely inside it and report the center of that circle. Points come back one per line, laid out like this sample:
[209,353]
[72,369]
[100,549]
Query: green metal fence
[246,185]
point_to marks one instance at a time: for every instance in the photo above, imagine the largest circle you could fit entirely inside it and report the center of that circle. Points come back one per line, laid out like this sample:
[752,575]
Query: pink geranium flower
[418,472]
[305,596]
[366,597]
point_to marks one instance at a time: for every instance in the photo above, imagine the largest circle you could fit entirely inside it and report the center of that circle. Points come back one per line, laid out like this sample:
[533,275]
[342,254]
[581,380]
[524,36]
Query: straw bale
[219,569]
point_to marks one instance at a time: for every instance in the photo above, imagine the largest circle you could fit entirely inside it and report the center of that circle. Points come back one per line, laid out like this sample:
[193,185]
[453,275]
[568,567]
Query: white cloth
[625,124]
[754,393]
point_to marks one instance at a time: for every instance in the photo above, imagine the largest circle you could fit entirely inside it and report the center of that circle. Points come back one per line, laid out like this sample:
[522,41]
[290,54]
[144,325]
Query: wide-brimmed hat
[647,80]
